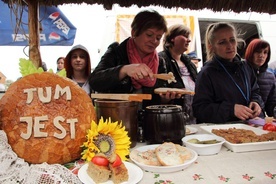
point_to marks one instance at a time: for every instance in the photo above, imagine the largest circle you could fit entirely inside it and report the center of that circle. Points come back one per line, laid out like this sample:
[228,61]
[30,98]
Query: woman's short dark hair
[174,31]
[148,19]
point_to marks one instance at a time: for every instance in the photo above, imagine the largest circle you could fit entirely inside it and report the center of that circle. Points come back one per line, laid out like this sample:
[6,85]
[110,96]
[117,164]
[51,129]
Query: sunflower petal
[115,130]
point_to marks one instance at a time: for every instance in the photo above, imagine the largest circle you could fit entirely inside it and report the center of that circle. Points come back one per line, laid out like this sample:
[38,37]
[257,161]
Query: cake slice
[119,173]
[99,174]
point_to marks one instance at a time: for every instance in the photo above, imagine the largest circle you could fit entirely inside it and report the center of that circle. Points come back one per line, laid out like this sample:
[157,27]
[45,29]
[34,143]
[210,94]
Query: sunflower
[106,137]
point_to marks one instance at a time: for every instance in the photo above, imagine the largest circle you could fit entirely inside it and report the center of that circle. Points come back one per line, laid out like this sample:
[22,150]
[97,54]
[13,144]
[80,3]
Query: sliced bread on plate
[168,154]
[183,152]
[147,157]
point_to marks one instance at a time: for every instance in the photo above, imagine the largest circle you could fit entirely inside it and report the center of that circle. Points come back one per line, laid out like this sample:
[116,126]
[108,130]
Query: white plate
[193,130]
[243,147]
[135,174]
[163,169]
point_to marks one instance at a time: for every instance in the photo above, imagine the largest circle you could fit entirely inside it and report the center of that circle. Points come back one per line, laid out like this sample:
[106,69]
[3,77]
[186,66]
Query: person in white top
[172,59]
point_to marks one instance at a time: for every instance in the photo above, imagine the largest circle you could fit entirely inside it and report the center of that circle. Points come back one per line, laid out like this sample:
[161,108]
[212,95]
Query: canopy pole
[34,33]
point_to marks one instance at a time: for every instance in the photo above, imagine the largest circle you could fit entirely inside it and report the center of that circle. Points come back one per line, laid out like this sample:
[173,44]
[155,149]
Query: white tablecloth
[226,167]
[258,167]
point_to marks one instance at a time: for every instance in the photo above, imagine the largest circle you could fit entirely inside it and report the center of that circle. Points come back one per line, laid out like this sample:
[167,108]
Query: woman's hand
[136,71]
[255,108]
[242,112]
[169,95]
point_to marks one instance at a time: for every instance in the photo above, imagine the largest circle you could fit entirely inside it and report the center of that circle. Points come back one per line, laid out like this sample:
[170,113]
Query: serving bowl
[209,144]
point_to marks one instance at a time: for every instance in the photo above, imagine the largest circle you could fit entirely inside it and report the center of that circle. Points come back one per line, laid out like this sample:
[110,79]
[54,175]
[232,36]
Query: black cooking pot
[163,123]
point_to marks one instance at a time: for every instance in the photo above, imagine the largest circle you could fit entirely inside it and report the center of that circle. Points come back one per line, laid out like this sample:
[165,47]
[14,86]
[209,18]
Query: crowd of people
[228,87]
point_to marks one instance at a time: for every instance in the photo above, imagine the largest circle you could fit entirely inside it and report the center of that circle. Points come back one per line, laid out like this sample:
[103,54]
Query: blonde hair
[210,36]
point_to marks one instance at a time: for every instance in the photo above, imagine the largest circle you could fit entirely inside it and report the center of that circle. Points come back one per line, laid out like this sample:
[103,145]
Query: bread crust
[147,157]
[183,152]
[168,154]
[48,149]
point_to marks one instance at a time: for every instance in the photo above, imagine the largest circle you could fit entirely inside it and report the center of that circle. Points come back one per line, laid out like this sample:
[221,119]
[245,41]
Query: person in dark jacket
[258,55]
[172,59]
[226,88]
[128,67]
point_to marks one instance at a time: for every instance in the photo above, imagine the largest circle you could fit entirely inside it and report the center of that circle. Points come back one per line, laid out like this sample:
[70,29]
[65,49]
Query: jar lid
[164,108]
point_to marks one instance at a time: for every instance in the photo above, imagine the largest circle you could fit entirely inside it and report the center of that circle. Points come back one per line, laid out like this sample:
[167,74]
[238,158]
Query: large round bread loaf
[29,120]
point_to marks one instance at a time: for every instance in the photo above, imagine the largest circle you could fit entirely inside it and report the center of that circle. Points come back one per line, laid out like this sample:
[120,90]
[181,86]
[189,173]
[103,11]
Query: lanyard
[246,97]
